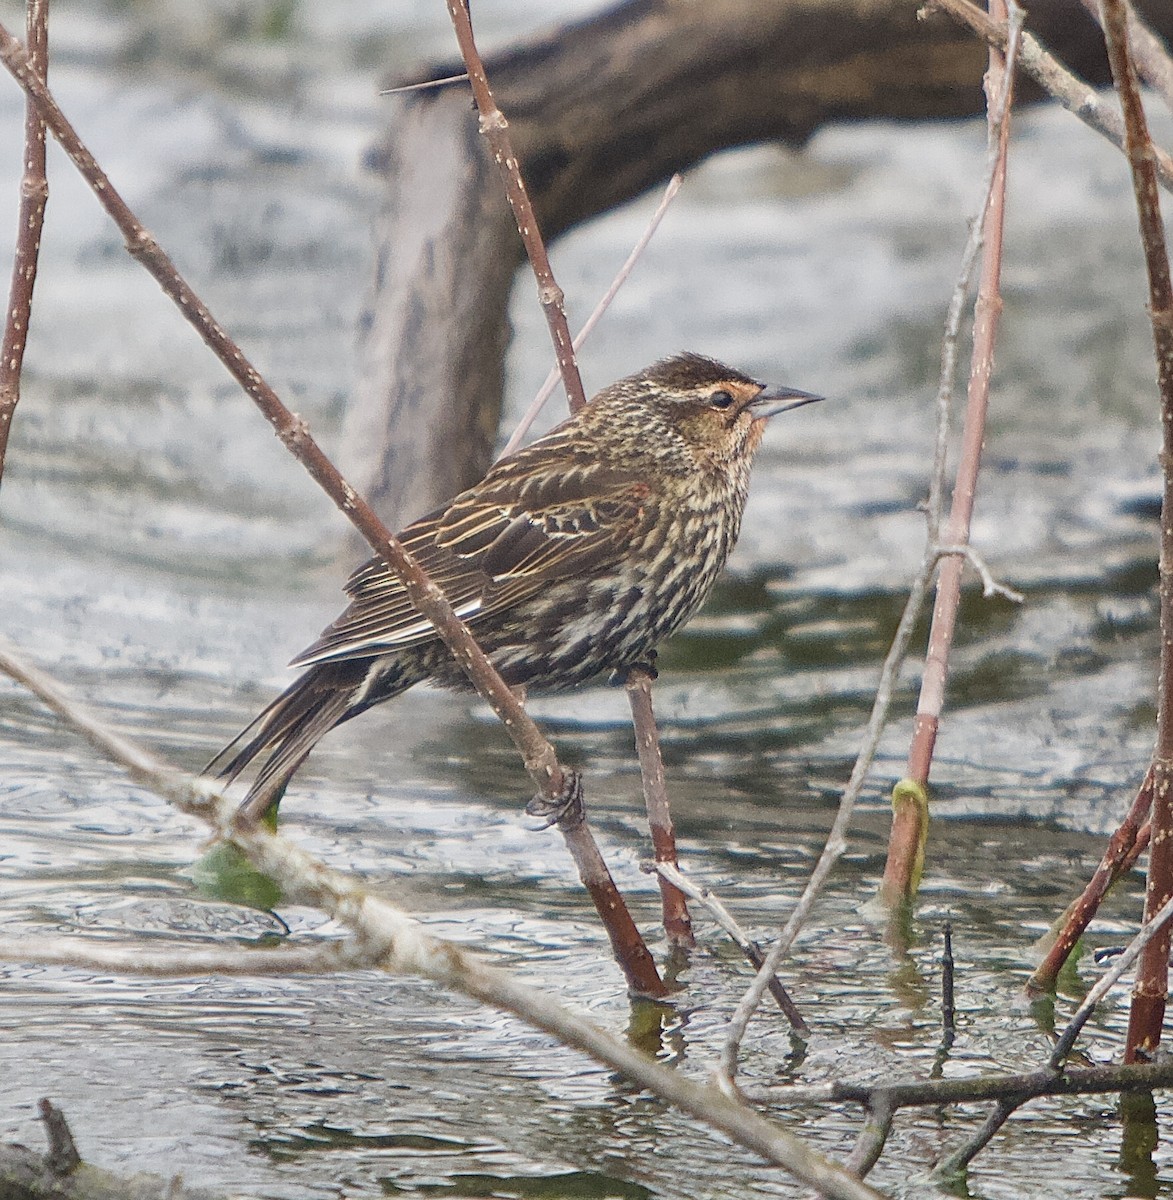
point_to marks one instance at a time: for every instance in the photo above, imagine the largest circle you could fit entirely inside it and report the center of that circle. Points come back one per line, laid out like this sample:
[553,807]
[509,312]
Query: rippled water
[163,557]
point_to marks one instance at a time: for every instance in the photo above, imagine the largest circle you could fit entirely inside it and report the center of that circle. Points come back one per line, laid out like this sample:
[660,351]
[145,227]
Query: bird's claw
[566,809]
[619,677]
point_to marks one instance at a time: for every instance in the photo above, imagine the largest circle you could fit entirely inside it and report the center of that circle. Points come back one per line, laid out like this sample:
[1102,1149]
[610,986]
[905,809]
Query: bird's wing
[493,546]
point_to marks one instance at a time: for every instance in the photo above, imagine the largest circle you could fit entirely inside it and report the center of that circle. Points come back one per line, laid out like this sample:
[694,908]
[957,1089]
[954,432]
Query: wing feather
[493,546]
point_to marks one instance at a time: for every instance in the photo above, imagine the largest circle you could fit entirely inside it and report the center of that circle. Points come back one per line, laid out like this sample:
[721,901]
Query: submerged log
[600,111]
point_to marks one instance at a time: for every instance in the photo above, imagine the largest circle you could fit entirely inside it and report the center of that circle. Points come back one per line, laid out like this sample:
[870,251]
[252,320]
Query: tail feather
[324,696]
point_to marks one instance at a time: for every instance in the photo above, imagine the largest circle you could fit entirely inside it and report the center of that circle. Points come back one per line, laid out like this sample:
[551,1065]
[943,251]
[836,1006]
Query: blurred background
[163,556]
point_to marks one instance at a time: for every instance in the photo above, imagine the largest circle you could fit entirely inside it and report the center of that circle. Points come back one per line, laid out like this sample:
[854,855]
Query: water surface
[163,557]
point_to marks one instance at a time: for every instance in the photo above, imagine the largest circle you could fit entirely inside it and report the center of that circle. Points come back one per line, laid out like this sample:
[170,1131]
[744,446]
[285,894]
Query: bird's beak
[769,402]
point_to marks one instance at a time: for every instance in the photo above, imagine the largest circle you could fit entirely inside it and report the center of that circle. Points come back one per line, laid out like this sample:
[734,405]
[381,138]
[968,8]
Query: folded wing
[494,546]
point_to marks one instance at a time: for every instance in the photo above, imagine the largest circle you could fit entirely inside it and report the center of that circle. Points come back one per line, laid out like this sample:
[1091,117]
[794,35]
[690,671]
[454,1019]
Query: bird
[573,557]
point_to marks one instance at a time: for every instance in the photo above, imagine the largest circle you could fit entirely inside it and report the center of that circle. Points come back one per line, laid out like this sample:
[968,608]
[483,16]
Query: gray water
[163,557]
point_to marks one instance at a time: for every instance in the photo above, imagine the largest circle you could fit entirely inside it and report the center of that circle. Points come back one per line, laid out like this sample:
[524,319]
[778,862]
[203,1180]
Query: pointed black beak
[769,402]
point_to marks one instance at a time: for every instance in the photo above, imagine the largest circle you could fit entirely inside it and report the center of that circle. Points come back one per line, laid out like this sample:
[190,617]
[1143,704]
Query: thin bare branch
[547,388]
[1079,913]
[948,1006]
[905,847]
[496,130]
[727,921]
[30,220]
[990,585]
[677,924]
[95,955]
[425,85]
[1149,994]
[553,782]
[383,935]
[1153,61]
[1050,74]
[924,1093]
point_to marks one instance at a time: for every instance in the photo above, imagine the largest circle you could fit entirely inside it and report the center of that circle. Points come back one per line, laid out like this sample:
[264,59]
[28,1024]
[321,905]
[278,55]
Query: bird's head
[718,412]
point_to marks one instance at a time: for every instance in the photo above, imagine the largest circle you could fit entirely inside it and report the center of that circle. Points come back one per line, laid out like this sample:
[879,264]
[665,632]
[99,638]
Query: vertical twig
[1118,858]
[955,1162]
[1148,996]
[34,195]
[836,842]
[496,131]
[948,1008]
[541,762]
[909,820]
[677,924]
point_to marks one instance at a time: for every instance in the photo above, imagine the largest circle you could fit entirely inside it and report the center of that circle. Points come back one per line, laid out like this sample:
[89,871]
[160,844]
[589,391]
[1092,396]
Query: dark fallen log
[600,111]
[61,1174]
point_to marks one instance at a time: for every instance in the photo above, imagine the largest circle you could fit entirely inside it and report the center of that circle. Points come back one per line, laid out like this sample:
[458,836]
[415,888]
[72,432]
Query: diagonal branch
[541,762]
[386,937]
[1118,857]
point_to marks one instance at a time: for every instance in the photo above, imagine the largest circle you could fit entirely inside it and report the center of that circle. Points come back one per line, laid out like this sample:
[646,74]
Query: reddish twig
[1148,996]
[34,195]
[677,924]
[906,844]
[551,779]
[1121,853]
[1153,62]
[496,131]
[1054,78]
[551,380]
[836,843]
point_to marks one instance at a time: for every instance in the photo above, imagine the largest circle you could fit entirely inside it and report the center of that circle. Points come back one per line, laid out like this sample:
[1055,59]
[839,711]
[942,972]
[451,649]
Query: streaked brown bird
[577,555]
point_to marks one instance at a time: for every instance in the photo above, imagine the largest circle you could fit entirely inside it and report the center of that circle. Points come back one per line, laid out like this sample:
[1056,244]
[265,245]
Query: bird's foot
[619,676]
[566,809]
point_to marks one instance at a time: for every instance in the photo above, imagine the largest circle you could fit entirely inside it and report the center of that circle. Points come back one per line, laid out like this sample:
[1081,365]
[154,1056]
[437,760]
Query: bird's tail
[324,696]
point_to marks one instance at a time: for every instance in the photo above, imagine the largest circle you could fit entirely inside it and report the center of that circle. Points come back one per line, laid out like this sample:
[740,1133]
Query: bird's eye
[721,399]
